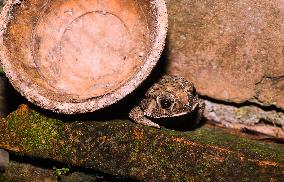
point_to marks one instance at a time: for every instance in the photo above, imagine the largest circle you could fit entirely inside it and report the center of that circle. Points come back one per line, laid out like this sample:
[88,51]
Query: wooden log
[128,149]
[78,56]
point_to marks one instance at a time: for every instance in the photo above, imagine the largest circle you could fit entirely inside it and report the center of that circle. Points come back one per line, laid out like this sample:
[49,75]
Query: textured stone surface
[270,123]
[131,150]
[232,50]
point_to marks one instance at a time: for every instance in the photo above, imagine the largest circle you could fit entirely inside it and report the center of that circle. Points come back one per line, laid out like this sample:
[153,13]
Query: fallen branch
[124,148]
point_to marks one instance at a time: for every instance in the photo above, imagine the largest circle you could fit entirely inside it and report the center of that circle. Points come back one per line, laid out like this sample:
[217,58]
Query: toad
[171,97]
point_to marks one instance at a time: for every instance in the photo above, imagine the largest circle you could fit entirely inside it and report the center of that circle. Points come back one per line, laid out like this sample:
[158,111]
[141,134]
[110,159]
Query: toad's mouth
[168,115]
[182,114]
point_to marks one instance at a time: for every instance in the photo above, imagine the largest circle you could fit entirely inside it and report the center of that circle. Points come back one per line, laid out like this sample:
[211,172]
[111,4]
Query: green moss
[37,130]
[66,149]
[206,153]
[2,179]
[60,171]
[13,121]
[164,162]
[209,136]
[203,167]
[171,146]
[18,154]
[136,146]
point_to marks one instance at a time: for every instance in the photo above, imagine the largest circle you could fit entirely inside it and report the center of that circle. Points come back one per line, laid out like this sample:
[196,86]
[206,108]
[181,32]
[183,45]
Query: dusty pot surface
[77,56]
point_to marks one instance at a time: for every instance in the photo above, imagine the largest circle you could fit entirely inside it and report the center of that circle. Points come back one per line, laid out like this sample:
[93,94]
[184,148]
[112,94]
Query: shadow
[49,164]
[243,104]
[183,123]
[12,98]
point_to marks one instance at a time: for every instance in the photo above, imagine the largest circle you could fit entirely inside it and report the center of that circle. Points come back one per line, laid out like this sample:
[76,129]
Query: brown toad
[171,97]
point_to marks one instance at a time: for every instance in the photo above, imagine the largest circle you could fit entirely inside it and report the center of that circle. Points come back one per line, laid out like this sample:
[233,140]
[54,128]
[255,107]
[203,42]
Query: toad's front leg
[137,115]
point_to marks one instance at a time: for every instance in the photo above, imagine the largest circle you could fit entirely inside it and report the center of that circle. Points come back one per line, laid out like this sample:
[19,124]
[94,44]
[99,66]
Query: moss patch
[37,131]
[128,149]
[2,179]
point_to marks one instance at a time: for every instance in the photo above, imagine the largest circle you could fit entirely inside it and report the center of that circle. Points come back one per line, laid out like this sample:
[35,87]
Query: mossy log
[128,149]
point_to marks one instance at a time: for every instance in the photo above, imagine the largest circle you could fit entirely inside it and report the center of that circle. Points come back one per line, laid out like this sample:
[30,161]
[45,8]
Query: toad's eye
[193,91]
[165,103]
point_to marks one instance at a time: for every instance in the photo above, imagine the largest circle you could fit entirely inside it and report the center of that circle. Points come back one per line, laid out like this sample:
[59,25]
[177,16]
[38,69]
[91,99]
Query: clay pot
[78,56]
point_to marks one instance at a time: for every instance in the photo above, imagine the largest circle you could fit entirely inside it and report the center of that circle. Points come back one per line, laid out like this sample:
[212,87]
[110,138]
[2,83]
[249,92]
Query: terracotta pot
[77,56]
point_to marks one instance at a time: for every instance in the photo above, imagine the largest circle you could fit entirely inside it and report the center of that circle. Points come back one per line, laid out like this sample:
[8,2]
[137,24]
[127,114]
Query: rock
[4,159]
[269,123]
[242,114]
[231,50]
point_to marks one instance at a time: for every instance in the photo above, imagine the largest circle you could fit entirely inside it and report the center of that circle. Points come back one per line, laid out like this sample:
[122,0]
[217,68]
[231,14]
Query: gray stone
[267,122]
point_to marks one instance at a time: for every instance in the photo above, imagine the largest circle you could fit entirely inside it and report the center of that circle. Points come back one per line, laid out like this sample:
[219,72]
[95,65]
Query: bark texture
[124,148]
